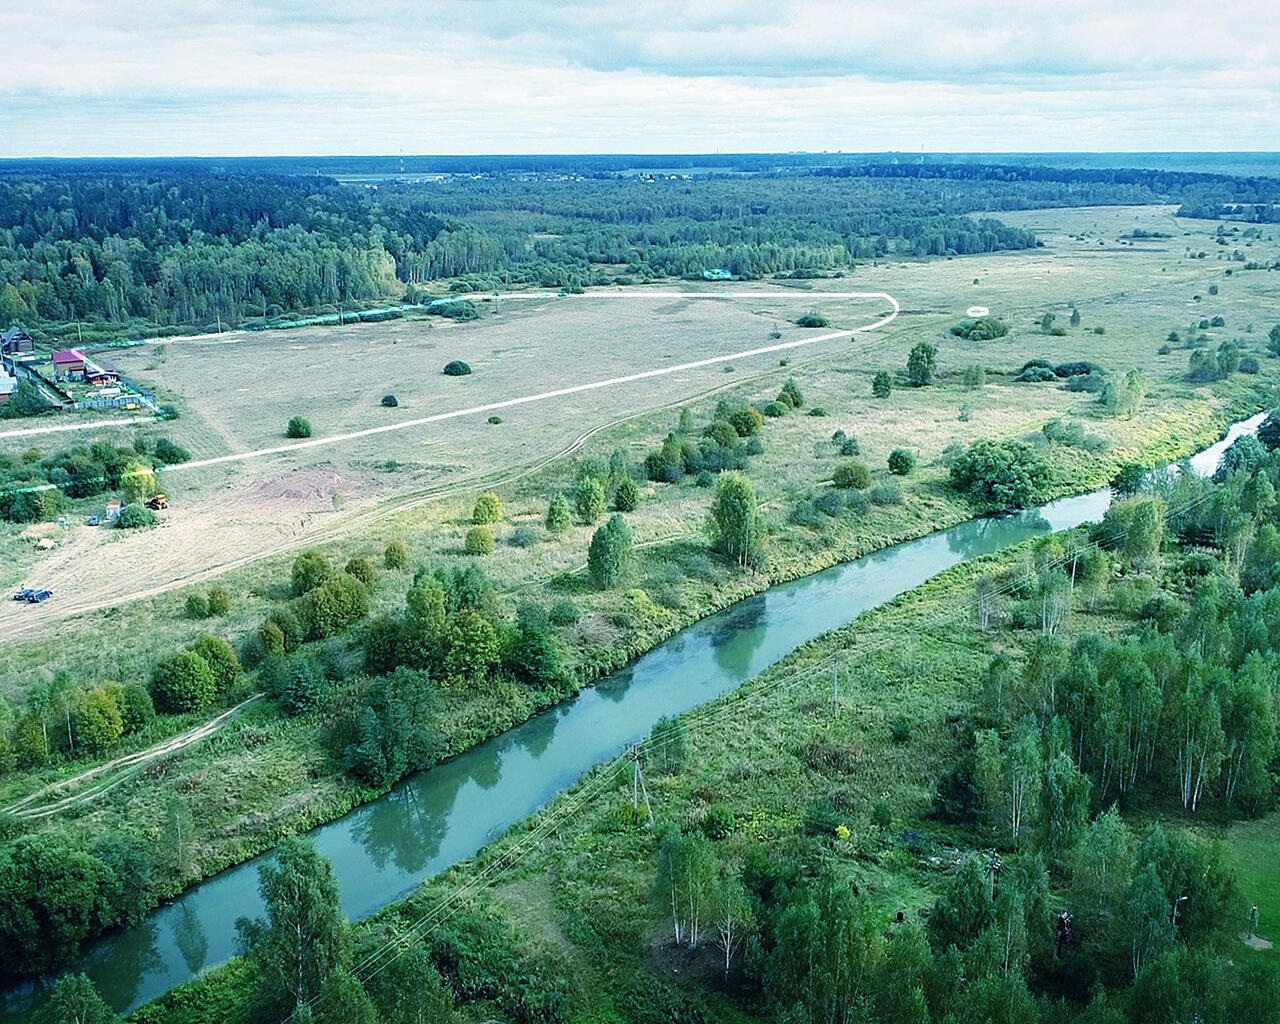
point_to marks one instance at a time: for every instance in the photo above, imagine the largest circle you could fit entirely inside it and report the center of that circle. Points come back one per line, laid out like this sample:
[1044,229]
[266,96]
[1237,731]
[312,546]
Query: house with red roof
[68,364]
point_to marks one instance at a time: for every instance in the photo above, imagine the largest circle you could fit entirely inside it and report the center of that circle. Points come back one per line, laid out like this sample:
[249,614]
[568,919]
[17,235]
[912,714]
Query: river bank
[388,855]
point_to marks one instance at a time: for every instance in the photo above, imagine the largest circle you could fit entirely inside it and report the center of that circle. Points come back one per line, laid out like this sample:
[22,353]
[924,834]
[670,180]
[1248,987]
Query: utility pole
[79,335]
[638,787]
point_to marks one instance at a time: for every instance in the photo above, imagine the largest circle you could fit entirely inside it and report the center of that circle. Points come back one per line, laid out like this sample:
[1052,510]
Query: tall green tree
[609,555]
[734,523]
[75,1001]
[922,364]
[303,939]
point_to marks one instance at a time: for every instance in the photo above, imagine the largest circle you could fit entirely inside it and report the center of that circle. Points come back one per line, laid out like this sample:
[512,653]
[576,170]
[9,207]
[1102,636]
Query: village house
[8,385]
[16,342]
[68,364]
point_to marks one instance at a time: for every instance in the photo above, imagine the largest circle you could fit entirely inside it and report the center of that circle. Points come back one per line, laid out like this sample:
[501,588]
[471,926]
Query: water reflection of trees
[535,736]
[407,826]
[190,938]
[614,687]
[984,535]
[738,636]
[120,963]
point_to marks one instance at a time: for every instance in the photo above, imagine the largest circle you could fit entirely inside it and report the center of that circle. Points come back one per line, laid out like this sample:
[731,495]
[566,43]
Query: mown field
[237,396]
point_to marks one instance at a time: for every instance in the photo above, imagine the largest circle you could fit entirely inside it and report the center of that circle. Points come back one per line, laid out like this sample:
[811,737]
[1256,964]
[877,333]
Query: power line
[700,720]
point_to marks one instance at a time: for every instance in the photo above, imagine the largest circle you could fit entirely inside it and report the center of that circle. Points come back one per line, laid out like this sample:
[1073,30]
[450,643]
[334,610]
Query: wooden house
[68,364]
[16,342]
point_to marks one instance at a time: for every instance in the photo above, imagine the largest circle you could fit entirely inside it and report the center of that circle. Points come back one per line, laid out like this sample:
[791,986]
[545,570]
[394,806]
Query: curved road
[27,625]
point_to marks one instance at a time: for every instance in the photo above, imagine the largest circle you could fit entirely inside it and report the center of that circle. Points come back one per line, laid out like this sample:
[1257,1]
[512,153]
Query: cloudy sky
[228,77]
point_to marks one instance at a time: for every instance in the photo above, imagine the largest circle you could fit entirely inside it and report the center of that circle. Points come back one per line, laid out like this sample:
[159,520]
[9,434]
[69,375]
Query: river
[436,818]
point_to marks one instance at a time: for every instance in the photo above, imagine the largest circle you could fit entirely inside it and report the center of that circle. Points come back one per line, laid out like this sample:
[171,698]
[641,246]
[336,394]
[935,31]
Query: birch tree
[731,913]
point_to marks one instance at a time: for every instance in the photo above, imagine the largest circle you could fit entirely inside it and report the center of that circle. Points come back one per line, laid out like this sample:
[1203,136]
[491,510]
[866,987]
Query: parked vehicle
[94,521]
[37,596]
[158,502]
[22,595]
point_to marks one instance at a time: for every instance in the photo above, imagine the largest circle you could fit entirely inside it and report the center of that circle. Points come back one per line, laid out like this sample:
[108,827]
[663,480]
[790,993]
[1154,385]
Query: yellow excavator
[158,502]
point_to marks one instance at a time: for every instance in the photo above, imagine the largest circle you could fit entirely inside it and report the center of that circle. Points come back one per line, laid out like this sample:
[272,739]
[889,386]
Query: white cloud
[504,76]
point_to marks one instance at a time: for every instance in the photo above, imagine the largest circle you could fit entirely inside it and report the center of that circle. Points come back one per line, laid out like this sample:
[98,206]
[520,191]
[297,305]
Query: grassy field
[264,777]
[237,394]
[1255,850]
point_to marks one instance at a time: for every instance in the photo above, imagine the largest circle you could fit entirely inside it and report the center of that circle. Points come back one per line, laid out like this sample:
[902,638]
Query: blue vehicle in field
[33,596]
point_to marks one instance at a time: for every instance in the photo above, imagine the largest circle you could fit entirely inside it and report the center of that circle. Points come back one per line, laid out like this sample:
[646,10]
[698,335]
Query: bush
[171,454]
[813,320]
[845,445]
[136,709]
[900,729]
[135,517]
[1249,364]
[790,394]
[627,497]
[182,682]
[719,822]
[557,520]
[722,433]
[304,686]
[362,569]
[310,569]
[882,384]
[563,613]
[885,494]
[705,478]
[390,401]
[852,474]
[396,556]
[1035,375]
[169,412]
[901,462]
[197,606]
[817,410]
[985,328]
[298,427]
[479,541]
[746,421]
[1074,369]
[223,664]
[1006,473]
[337,603]
[488,509]
[494,420]
[456,368]
[219,601]
[523,536]
[589,499]
[974,377]
[774,410]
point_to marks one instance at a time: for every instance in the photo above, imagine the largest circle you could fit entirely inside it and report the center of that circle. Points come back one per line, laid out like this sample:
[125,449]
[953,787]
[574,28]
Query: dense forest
[173,245]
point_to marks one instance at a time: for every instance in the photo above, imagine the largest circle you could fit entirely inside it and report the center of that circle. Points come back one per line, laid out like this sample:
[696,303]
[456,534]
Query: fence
[139,397]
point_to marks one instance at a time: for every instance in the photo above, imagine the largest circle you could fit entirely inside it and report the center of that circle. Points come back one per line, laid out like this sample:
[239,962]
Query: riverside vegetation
[1068,727]
[363,691]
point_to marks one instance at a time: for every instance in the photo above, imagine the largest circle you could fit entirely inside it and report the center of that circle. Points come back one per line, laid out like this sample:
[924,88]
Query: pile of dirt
[305,485]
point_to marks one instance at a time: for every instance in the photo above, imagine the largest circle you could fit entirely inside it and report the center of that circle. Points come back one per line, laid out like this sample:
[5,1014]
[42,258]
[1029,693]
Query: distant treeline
[181,244]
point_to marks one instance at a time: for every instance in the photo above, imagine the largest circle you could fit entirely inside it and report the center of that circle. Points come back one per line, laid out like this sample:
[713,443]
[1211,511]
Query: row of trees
[37,487]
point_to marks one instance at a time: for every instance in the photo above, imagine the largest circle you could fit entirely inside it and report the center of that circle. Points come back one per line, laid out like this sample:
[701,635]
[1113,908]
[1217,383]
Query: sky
[228,77]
